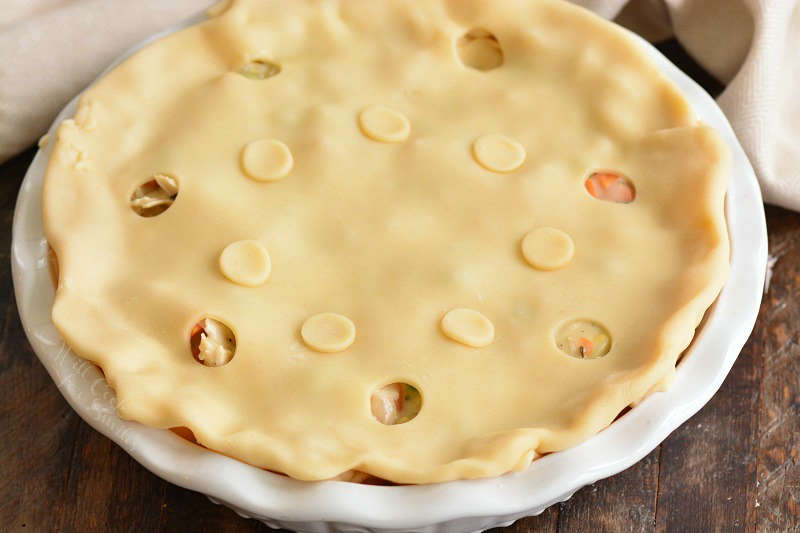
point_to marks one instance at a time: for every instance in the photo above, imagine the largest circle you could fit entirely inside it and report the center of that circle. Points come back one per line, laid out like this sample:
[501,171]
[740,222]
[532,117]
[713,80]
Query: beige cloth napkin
[51,49]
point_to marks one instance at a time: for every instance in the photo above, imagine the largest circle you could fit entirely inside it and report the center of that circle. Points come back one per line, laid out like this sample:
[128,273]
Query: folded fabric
[51,49]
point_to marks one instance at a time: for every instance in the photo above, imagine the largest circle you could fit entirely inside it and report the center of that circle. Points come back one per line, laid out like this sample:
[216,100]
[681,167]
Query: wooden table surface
[733,466]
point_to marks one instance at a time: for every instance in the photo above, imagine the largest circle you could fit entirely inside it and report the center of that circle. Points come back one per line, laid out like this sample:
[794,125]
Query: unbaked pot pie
[417,240]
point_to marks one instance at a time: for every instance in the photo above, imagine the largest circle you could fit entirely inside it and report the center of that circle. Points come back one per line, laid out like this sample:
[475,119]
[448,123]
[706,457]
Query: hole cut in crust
[583,339]
[212,343]
[480,49]
[395,403]
[260,69]
[610,186]
[154,196]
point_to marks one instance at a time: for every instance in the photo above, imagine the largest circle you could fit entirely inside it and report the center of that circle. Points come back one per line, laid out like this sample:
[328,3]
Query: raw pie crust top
[390,203]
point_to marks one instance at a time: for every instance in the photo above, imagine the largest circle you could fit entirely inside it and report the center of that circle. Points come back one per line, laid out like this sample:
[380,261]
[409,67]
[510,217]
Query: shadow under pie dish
[291,208]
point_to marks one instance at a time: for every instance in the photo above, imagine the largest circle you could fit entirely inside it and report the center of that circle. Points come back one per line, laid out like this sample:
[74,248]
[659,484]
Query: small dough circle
[469,327]
[267,160]
[328,332]
[383,124]
[547,248]
[246,263]
[498,153]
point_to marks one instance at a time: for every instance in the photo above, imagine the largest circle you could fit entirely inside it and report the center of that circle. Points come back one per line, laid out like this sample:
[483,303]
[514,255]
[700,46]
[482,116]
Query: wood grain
[708,464]
[777,490]
[733,466]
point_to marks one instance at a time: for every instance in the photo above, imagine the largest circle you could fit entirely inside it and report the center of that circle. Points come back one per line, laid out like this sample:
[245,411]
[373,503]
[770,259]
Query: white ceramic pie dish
[455,506]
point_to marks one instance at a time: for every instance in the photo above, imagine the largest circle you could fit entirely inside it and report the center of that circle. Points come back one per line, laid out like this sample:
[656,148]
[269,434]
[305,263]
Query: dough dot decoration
[260,69]
[383,124]
[245,263]
[498,153]
[395,403]
[610,187]
[328,332]
[583,339]
[154,196]
[212,342]
[547,248]
[469,327]
[267,160]
[480,49]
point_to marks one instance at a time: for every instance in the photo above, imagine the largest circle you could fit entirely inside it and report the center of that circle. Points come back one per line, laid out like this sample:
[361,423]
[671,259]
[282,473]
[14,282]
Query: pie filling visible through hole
[395,403]
[154,196]
[584,339]
[611,187]
[479,49]
[212,342]
[260,69]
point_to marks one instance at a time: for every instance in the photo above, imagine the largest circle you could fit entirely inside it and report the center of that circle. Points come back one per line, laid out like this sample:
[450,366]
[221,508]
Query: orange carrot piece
[606,179]
[591,186]
[585,346]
